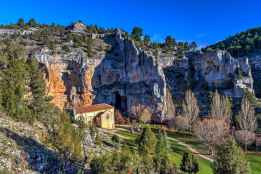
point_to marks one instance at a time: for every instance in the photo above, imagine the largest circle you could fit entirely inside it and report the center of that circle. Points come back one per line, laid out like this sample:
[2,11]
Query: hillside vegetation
[240,44]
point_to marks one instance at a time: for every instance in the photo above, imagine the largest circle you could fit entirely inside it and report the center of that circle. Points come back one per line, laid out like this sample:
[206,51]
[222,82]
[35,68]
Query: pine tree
[146,148]
[40,101]
[162,161]
[146,142]
[32,23]
[13,89]
[230,159]
[137,33]
[20,22]
[189,164]
[170,42]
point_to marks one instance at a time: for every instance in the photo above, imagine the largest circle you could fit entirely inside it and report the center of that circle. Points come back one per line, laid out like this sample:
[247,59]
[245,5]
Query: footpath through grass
[177,149]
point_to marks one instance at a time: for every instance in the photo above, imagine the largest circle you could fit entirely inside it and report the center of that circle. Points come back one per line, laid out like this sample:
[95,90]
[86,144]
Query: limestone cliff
[130,79]
[135,79]
[209,71]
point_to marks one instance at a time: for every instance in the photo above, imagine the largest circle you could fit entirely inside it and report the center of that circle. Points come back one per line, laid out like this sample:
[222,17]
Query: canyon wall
[136,81]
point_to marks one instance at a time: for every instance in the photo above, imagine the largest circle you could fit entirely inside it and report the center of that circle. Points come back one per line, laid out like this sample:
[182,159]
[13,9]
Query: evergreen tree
[193,46]
[170,42]
[230,159]
[146,40]
[13,89]
[146,142]
[14,82]
[146,148]
[40,101]
[115,140]
[32,23]
[162,161]
[137,33]
[20,23]
[189,164]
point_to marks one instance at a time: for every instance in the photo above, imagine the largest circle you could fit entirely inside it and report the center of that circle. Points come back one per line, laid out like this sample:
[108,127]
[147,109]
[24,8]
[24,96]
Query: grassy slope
[177,150]
[176,153]
[255,163]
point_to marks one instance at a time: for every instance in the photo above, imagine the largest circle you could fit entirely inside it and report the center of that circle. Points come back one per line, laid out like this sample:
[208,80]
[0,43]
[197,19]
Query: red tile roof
[92,108]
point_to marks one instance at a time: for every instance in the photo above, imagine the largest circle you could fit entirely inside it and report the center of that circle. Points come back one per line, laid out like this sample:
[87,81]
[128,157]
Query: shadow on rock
[40,158]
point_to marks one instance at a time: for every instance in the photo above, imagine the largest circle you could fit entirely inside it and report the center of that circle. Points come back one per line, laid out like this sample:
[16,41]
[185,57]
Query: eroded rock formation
[134,79]
[209,71]
[131,80]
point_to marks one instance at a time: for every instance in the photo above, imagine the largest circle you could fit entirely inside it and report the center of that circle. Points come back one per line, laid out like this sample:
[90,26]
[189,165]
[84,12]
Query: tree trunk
[245,142]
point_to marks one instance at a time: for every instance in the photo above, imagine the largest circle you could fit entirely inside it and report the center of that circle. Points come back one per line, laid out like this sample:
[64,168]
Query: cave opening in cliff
[120,102]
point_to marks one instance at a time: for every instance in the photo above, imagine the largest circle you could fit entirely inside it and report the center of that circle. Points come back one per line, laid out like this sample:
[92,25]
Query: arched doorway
[120,102]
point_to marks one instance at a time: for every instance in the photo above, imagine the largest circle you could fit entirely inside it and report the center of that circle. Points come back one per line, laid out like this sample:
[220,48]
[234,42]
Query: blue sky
[204,21]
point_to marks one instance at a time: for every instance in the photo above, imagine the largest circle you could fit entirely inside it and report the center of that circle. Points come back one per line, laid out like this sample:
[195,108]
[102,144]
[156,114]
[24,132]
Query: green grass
[176,153]
[192,140]
[177,150]
[255,163]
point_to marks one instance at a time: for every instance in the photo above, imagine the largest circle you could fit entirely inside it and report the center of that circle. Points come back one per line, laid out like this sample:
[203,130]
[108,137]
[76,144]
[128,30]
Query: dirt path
[191,149]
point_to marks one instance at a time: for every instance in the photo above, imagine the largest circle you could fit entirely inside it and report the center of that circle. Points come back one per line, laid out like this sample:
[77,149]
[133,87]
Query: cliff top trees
[242,43]
[146,40]
[20,23]
[32,23]
[170,42]
[137,33]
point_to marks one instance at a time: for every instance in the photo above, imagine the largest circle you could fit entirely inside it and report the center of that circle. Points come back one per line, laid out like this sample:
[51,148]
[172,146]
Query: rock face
[220,70]
[67,77]
[205,72]
[128,78]
[255,61]
[131,80]
[77,27]
[134,80]
[23,150]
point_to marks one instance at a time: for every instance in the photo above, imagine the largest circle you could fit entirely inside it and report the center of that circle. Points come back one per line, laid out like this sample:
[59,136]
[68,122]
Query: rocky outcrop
[135,80]
[209,71]
[130,79]
[221,71]
[77,27]
[67,77]
[22,148]
[255,61]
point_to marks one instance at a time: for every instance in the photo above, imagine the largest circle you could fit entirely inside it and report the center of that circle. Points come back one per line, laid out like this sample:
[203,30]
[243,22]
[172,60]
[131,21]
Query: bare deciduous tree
[170,106]
[212,132]
[190,108]
[247,118]
[220,107]
[245,137]
[181,123]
